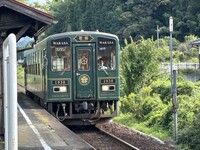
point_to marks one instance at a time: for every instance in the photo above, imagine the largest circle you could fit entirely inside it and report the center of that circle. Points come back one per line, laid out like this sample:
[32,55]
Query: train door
[84,69]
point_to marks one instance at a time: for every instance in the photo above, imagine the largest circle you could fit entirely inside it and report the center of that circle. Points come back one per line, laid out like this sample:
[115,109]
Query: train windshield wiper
[105,71]
[63,71]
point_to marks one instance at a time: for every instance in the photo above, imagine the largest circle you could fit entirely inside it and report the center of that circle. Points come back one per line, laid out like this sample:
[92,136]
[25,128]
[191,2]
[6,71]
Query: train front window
[106,54]
[60,58]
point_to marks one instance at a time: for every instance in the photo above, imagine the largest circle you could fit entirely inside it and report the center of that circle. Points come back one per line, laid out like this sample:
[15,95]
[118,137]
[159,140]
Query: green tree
[85,14]
[127,18]
[139,18]
[139,65]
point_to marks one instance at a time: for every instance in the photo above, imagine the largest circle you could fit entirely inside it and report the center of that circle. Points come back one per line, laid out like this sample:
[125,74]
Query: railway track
[98,138]
[101,139]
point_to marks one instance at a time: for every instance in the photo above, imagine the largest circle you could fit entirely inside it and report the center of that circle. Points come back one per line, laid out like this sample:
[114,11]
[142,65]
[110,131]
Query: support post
[199,57]
[175,106]
[1,92]
[157,30]
[170,45]
[173,81]
[10,92]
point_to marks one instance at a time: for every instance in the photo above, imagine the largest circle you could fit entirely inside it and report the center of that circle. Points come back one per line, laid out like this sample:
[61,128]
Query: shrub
[190,136]
[127,103]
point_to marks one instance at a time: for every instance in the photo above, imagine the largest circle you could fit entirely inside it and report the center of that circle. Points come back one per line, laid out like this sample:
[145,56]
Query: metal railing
[10,92]
[176,66]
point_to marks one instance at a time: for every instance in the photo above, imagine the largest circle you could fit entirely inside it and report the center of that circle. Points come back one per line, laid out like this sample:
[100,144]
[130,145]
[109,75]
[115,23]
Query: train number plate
[107,81]
[60,82]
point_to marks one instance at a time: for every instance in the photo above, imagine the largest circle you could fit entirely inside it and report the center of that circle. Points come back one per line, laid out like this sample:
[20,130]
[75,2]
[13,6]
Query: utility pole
[173,82]
[157,30]
[170,45]
[199,57]
[175,106]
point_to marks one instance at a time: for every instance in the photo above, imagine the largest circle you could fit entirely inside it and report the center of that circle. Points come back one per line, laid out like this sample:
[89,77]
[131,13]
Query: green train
[75,76]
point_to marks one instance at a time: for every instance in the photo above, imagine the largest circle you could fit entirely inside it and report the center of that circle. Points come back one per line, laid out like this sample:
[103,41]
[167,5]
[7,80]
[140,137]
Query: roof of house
[195,42]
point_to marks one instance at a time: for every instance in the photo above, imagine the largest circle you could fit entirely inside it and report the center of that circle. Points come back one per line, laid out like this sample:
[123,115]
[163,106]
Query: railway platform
[39,130]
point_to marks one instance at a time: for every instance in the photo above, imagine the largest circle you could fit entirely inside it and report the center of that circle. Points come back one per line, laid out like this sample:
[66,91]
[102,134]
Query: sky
[40,1]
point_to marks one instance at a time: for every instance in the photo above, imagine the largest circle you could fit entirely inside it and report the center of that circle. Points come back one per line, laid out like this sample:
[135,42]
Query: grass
[129,121]
[20,75]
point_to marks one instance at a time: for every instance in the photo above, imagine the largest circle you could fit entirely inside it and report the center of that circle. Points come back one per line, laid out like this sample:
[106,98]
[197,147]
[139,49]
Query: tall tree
[138,18]
[126,18]
[86,14]
[139,65]
[186,17]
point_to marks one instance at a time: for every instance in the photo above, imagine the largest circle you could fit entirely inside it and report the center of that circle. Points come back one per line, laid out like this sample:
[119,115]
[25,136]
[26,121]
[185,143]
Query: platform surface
[39,130]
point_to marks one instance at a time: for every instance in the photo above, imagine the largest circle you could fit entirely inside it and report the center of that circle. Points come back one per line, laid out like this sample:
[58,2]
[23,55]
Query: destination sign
[108,81]
[83,38]
[106,41]
[59,82]
[61,42]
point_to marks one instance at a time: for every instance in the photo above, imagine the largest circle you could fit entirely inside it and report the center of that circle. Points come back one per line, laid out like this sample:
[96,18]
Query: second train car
[75,76]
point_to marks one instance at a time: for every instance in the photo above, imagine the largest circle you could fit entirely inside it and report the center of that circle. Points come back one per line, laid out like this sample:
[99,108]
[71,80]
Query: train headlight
[57,89]
[105,88]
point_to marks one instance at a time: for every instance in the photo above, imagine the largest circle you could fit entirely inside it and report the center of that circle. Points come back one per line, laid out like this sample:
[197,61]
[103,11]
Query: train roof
[83,33]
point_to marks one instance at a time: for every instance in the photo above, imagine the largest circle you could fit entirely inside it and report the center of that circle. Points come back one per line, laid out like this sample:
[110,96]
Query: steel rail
[122,142]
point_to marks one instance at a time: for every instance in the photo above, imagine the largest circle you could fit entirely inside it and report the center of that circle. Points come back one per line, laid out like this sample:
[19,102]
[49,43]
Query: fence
[165,67]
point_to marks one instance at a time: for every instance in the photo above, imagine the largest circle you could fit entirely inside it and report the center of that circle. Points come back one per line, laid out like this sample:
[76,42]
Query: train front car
[82,77]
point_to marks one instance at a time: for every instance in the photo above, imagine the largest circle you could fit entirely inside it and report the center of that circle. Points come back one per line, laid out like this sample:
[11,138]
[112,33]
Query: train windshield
[106,54]
[60,58]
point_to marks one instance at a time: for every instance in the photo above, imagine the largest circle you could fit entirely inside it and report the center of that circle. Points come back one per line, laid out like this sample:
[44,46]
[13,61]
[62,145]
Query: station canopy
[22,20]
